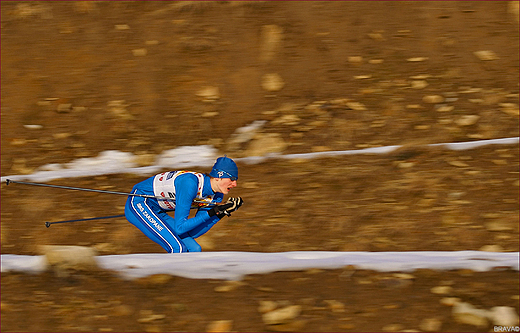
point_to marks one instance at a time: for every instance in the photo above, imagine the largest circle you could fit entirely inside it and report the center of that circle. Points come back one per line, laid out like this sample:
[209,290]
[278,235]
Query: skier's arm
[185,192]
[204,227]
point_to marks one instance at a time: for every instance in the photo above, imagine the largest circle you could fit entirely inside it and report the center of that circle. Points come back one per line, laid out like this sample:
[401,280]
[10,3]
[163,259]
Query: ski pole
[8,181]
[48,224]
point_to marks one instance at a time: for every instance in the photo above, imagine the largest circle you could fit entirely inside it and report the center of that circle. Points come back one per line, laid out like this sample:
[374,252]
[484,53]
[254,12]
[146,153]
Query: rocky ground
[79,78]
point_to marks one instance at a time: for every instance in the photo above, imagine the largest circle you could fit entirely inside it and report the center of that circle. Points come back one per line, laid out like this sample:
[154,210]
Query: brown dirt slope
[79,78]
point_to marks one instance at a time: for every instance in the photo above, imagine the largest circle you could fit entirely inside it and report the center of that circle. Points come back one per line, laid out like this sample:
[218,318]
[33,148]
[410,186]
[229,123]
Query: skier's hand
[226,209]
[234,204]
[219,211]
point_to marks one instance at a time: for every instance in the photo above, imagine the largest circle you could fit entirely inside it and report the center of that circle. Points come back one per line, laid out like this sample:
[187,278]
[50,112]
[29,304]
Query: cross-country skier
[183,190]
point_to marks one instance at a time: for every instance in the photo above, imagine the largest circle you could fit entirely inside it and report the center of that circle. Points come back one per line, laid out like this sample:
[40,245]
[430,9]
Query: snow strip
[114,162]
[235,265]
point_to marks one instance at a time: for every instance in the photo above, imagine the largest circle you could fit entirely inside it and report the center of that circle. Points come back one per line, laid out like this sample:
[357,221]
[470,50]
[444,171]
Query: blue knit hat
[224,168]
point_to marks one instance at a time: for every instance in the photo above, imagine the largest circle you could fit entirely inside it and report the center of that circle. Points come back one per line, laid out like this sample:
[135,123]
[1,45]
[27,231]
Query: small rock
[245,134]
[229,286]
[64,108]
[118,108]
[33,127]
[441,290]
[79,109]
[5,307]
[433,99]
[467,120]
[64,259]
[84,6]
[147,316]
[356,106]
[122,310]
[335,306]
[404,276]
[466,313]
[459,164]
[60,136]
[450,301]
[289,119]
[430,325]
[272,36]
[417,59]
[144,159]
[422,127]
[155,279]
[139,52]
[70,257]
[18,142]
[355,59]
[510,108]
[503,316]
[272,82]
[282,316]
[220,326]
[265,144]
[392,328]
[150,318]
[405,165]
[376,36]
[209,93]
[267,306]
[492,248]
[445,108]
[122,27]
[497,226]
[486,55]
[210,114]
[419,84]
[466,272]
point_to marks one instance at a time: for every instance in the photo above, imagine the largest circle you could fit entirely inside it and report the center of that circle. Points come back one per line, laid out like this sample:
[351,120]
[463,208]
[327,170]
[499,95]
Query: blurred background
[81,78]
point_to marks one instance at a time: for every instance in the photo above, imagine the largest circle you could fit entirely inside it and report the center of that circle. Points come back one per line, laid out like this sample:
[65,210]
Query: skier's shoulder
[187,178]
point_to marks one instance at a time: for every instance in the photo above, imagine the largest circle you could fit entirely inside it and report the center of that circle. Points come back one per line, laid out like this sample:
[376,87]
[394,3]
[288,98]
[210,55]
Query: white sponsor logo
[149,218]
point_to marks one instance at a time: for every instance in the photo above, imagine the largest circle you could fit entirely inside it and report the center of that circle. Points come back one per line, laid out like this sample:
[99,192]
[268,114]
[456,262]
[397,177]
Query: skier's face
[225,185]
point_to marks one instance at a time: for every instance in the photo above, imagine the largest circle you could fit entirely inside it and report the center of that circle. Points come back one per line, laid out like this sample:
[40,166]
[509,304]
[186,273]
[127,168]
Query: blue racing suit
[179,188]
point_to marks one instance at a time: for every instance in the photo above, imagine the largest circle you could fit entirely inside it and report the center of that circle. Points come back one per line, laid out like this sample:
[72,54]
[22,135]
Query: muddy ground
[80,78]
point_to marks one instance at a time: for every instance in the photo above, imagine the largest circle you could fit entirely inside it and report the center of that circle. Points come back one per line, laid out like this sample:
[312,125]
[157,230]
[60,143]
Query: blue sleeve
[204,227]
[185,191]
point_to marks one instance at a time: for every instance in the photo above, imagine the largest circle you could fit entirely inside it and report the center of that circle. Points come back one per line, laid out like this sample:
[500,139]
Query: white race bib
[163,186]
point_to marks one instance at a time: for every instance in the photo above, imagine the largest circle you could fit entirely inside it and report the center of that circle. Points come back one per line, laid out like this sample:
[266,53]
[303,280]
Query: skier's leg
[188,240]
[139,213]
[191,244]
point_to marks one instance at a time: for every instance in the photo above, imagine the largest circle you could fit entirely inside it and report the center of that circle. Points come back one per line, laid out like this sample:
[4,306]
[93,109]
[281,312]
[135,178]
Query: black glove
[226,209]
[236,203]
